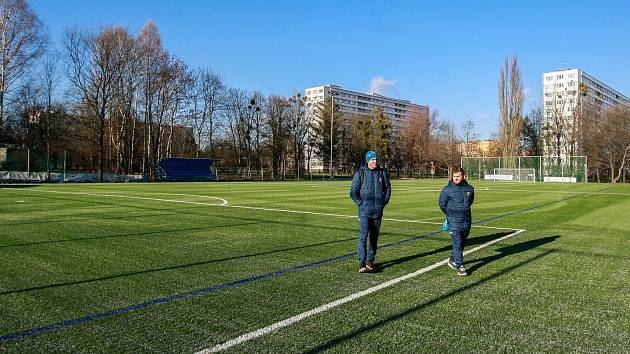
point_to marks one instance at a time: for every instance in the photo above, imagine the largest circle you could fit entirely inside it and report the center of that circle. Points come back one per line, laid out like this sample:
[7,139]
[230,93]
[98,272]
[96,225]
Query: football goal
[527,168]
[513,174]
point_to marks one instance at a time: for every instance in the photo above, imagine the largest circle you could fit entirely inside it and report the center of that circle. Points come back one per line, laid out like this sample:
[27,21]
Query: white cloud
[379,85]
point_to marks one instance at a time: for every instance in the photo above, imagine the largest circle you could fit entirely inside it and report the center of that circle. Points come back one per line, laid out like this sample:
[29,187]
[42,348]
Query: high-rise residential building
[354,104]
[566,94]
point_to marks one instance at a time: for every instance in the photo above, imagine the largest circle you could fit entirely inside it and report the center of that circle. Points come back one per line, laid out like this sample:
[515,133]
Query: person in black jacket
[370,191]
[455,201]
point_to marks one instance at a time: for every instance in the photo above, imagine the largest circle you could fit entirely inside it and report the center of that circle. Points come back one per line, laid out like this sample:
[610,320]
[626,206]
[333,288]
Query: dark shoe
[451,264]
[363,269]
[371,266]
[462,271]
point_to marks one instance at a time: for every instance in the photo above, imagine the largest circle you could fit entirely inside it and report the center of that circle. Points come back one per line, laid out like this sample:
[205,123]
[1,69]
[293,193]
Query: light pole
[332,119]
[50,112]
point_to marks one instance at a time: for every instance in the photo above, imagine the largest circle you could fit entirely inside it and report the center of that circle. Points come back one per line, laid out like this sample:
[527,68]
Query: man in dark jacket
[370,191]
[455,201]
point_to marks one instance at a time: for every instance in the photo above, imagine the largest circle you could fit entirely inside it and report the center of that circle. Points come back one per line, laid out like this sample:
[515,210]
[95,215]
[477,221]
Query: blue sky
[444,54]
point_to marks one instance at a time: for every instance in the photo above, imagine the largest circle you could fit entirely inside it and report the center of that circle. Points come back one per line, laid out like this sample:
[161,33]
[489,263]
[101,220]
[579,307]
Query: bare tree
[444,143]
[554,126]
[468,135]
[166,97]
[510,107]
[414,141]
[610,136]
[564,113]
[205,102]
[531,136]
[49,81]
[124,114]
[176,80]
[150,55]
[235,112]
[93,65]
[298,127]
[592,139]
[211,88]
[28,108]
[311,135]
[323,130]
[277,112]
[255,109]
[22,41]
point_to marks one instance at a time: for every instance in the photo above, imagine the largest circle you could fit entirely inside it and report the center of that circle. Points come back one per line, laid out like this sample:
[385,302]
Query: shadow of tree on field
[86,217]
[180,266]
[509,250]
[16,186]
[471,242]
[138,234]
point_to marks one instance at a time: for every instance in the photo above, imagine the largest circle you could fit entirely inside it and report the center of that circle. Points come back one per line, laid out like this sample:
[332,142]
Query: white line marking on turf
[552,191]
[225,204]
[289,321]
[191,195]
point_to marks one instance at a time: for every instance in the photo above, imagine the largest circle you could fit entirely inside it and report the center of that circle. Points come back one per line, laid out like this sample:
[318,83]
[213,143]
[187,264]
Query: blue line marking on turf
[168,299]
[143,305]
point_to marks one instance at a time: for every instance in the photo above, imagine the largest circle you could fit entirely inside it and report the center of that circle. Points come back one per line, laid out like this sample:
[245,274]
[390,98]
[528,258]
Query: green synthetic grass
[86,249]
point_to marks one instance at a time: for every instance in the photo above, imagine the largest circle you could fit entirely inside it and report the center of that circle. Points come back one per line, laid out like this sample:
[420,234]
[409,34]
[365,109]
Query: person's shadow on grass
[474,264]
[471,242]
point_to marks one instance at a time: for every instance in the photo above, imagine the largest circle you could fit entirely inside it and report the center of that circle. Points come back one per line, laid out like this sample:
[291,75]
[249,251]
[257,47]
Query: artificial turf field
[186,267]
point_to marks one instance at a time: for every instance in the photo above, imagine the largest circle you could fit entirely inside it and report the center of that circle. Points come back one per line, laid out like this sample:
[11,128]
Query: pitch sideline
[289,321]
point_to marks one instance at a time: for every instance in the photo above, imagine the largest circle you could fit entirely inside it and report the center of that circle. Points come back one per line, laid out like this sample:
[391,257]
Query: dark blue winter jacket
[455,202]
[372,194]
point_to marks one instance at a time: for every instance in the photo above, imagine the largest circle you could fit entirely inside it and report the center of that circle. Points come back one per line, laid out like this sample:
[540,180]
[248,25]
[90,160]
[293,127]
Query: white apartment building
[352,103]
[564,93]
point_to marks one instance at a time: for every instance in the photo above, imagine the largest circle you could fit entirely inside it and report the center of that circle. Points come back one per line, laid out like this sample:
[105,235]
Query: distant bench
[186,169]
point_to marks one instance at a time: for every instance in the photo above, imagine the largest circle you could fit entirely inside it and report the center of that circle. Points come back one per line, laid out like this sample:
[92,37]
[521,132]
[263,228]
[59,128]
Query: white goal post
[513,174]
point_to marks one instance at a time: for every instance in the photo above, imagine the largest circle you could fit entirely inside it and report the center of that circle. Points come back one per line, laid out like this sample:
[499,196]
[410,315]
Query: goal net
[513,174]
[526,168]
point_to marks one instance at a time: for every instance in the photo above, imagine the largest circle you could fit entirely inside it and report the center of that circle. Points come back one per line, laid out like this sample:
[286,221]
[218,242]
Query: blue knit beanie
[370,155]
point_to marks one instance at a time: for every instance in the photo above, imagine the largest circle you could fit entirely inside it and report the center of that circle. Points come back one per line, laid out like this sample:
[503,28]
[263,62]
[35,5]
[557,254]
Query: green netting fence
[527,168]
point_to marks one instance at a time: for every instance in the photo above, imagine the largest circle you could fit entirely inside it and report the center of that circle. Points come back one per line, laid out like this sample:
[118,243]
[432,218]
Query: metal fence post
[585,169]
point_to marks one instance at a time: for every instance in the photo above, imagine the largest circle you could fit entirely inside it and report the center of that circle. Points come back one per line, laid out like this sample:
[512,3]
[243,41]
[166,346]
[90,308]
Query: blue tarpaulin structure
[186,169]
